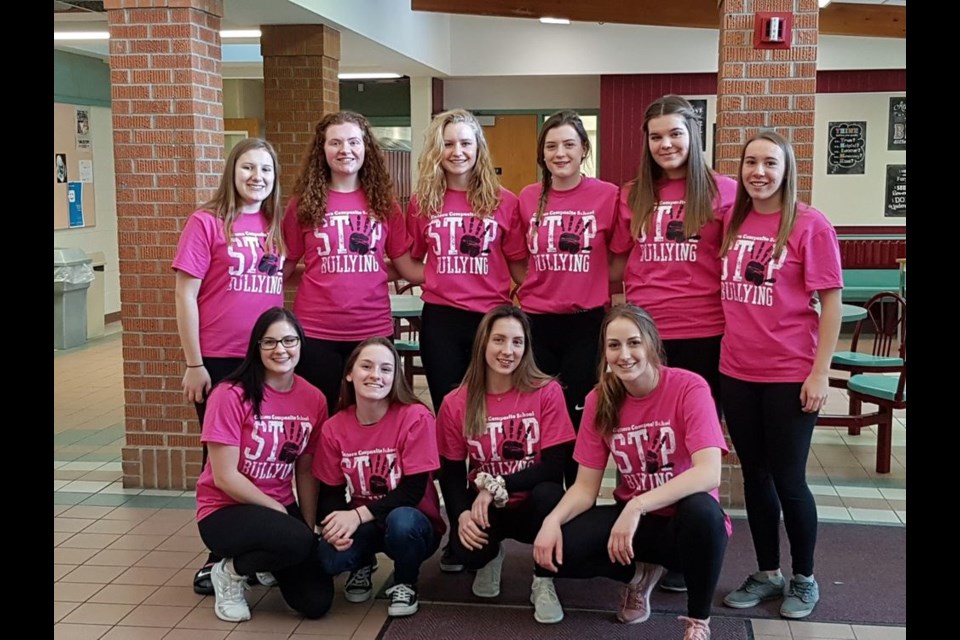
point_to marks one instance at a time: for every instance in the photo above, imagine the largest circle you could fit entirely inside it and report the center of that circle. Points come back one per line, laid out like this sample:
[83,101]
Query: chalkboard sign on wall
[700,108]
[846,148]
[896,191]
[897,125]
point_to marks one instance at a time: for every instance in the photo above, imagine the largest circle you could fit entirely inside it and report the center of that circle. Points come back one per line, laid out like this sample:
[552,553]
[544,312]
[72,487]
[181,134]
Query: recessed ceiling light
[368,76]
[554,20]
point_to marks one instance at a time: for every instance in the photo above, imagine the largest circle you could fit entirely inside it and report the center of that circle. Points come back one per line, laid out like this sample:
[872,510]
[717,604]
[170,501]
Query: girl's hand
[196,384]
[548,546]
[620,543]
[340,526]
[481,508]
[471,535]
[813,393]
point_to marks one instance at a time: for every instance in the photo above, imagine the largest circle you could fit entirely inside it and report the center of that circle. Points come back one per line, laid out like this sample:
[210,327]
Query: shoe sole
[357,598]
[545,620]
[485,595]
[406,611]
[451,568]
[748,605]
[796,615]
[226,618]
[672,589]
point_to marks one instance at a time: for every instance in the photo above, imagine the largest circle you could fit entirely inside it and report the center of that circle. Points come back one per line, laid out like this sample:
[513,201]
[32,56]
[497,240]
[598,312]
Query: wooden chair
[406,338]
[888,393]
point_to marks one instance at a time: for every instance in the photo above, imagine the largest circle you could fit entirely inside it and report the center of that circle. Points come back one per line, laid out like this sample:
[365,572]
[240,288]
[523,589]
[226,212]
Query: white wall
[855,199]
[522,92]
[103,236]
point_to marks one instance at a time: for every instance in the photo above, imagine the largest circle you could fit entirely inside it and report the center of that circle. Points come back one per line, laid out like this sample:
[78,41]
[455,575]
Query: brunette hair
[399,392]
[559,119]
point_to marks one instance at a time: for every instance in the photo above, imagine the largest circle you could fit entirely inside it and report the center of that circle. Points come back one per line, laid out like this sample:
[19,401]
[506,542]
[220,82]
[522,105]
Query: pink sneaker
[635,598]
[696,629]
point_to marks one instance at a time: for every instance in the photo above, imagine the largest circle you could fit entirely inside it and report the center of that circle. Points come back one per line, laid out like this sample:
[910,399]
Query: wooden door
[513,145]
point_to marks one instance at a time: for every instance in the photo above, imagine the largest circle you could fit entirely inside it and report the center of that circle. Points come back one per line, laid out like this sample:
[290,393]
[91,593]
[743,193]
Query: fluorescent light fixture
[554,21]
[823,3]
[368,76]
[240,33]
[81,35]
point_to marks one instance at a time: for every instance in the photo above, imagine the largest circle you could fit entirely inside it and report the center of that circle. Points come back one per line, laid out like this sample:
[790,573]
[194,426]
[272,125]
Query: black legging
[771,435]
[260,539]
[446,340]
[568,346]
[692,541]
[700,355]
[321,364]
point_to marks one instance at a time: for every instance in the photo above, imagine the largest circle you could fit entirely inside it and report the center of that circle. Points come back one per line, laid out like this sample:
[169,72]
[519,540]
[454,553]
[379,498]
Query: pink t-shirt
[568,269]
[372,459]
[772,324]
[343,294]
[238,280]
[288,427]
[657,435]
[519,427]
[466,256]
[676,280]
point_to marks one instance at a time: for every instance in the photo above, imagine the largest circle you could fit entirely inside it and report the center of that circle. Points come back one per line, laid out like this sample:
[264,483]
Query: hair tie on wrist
[359,517]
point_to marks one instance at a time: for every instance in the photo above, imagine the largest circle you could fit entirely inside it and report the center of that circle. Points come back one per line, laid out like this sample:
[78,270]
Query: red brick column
[300,66]
[767,88]
[166,88]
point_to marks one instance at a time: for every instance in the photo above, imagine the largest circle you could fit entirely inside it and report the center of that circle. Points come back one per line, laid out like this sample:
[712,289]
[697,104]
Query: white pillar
[421,105]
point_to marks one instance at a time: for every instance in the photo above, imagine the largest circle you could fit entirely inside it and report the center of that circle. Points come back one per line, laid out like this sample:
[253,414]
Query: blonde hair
[701,189]
[225,204]
[483,191]
[788,195]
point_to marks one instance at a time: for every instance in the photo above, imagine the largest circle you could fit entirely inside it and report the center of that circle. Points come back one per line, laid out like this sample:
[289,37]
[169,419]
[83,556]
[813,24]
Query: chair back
[884,330]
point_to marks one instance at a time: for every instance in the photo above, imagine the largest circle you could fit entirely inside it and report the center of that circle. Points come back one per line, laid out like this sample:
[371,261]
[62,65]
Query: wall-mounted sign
[75,203]
[700,108]
[846,148]
[897,125]
[896,191]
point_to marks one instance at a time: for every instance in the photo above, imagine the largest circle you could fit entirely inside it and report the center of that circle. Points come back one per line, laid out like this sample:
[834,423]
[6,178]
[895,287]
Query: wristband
[497,486]
[194,366]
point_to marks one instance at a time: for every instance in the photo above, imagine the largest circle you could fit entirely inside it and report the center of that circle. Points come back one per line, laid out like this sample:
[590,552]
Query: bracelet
[497,486]
[359,517]
[194,366]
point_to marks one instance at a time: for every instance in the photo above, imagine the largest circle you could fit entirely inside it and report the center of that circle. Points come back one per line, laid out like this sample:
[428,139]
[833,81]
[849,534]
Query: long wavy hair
[225,204]
[399,392]
[788,195]
[313,183]
[701,190]
[483,191]
[526,377]
[251,374]
[610,390]
[559,119]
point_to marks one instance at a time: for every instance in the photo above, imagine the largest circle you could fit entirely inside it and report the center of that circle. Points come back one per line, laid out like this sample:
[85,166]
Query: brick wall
[166,90]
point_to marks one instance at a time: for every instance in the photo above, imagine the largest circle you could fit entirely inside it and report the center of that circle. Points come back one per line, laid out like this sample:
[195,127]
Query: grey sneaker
[802,597]
[265,578]
[754,590]
[546,604]
[359,585]
[231,604]
[673,581]
[486,584]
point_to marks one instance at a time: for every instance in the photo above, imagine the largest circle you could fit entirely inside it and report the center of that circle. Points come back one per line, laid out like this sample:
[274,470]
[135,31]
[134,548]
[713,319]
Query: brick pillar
[166,88]
[767,88]
[764,88]
[300,66]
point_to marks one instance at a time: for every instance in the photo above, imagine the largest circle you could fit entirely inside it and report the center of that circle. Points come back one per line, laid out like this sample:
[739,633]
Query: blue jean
[408,539]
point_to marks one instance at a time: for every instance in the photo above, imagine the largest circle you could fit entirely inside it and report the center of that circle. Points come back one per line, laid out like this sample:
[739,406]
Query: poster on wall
[75,203]
[85,170]
[896,191]
[83,129]
[846,148]
[700,108]
[60,161]
[897,125]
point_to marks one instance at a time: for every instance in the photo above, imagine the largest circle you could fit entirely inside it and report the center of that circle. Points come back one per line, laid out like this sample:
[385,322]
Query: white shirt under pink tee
[656,436]
[288,427]
[343,294]
[467,256]
[519,427]
[675,279]
[238,280]
[568,269]
[772,324]
[372,459]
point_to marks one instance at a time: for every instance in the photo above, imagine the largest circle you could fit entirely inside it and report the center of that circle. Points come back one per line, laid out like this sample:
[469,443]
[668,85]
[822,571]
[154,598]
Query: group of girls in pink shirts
[536,382]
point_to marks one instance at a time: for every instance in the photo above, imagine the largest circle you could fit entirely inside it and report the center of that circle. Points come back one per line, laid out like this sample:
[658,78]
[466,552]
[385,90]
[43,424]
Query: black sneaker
[403,600]
[673,581]
[359,585]
[448,562]
[202,584]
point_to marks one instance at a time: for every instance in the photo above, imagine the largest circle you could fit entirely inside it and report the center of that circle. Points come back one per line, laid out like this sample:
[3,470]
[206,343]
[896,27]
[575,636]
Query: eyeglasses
[269,344]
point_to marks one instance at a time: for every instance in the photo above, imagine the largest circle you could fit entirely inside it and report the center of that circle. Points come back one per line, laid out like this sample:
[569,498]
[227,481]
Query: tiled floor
[124,558]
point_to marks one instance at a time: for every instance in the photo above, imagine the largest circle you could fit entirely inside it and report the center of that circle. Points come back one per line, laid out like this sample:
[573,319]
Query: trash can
[72,275]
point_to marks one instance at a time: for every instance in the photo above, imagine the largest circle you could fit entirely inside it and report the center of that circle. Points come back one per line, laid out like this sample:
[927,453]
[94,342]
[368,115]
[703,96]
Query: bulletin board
[74,204]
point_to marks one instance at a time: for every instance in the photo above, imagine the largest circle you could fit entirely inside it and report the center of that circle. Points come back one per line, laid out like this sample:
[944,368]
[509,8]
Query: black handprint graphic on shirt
[757,266]
[514,445]
[675,226]
[571,235]
[360,228]
[472,238]
[651,455]
[381,469]
[269,262]
[292,441]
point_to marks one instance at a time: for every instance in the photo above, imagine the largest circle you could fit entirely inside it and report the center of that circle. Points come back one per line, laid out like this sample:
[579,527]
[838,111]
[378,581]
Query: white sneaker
[546,604]
[266,579]
[230,605]
[486,584]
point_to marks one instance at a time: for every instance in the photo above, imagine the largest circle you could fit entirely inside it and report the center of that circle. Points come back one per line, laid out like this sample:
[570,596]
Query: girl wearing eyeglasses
[347,226]
[261,429]
[229,270]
